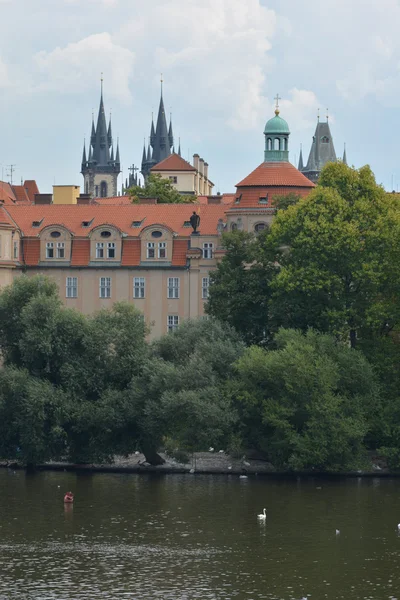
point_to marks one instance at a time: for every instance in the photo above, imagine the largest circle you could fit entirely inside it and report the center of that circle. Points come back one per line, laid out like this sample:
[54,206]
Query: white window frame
[162,249]
[139,287]
[173,287]
[16,250]
[172,322]
[49,246]
[111,246]
[205,284]
[151,250]
[105,287]
[208,250]
[99,249]
[60,250]
[71,287]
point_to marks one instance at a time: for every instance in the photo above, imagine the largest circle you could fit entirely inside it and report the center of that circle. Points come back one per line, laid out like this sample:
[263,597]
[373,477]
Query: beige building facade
[186,178]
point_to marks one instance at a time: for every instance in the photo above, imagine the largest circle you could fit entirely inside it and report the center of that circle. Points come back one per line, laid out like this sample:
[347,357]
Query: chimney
[147,201]
[43,199]
[201,166]
[196,161]
[84,199]
[205,170]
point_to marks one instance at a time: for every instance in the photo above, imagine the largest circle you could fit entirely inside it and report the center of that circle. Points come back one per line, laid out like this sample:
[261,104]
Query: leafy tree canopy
[161,188]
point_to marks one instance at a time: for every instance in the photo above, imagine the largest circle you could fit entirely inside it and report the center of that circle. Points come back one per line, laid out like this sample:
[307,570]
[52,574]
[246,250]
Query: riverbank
[203,463]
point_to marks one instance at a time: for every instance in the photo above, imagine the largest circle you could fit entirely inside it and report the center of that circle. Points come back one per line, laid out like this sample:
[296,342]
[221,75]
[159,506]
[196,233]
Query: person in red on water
[69,497]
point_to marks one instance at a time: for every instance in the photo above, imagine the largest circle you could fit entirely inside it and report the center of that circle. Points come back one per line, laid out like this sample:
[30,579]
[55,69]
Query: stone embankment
[201,462]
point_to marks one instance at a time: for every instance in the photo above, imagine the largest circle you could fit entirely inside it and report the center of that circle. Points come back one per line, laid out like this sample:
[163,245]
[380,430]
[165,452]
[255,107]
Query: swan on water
[398,527]
[263,515]
[242,476]
[337,531]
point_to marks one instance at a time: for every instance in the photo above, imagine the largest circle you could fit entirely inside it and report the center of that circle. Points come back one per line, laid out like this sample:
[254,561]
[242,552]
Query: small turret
[301,165]
[344,159]
[84,161]
[276,133]
[170,133]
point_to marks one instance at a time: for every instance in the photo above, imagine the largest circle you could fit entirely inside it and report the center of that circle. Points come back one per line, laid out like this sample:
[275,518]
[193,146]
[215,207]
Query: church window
[151,252]
[162,250]
[49,250]
[105,287]
[156,234]
[60,250]
[208,249]
[55,234]
[99,250]
[325,139]
[103,189]
[172,322]
[105,234]
[138,287]
[173,179]
[173,287]
[260,227]
[71,287]
[110,250]
[204,287]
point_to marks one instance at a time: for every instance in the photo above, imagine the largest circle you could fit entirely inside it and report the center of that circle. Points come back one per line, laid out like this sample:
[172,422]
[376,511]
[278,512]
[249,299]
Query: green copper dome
[276,125]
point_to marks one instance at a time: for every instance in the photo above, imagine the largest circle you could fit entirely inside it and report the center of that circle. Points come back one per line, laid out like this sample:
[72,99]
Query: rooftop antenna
[11,169]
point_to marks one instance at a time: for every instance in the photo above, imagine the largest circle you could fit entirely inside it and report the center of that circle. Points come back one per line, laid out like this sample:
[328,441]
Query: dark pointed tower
[100,172]
[344,159]
[301,165]
[322,151]
[161,139]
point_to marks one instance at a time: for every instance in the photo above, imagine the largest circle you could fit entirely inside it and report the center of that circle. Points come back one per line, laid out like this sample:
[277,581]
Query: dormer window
[37,223]
[110,250]
[162,249]
[136,223]
[325,139]
[151,251]
[263,200]
[99,250]
[50,250]
[60,250]
[186,224]
[55,234]
[87,223]
[238,199]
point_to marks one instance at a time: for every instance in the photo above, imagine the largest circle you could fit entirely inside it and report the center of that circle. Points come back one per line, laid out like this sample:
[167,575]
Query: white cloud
[77,66]
[301,109]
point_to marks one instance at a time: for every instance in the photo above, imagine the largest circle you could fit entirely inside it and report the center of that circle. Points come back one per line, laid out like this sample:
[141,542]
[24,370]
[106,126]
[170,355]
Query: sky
[223,62]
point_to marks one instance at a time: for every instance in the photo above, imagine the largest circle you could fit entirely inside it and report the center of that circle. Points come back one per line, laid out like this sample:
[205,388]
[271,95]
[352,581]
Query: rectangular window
[173,322]
[110,250]
[138,287]
[105,287]
[16,250]
[208,250]
[71,287]
[204,287]
[60,250]
[49,250]
[173,179]
[162,249]
[99,250]
[151,253]
[173,287]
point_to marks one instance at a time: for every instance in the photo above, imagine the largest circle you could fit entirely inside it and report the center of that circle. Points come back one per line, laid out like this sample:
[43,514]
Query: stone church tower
[100,169]
[161,142]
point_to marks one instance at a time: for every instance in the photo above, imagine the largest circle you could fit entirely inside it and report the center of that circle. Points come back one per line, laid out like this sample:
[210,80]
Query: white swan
[263,515]
[337,531]
[398,527]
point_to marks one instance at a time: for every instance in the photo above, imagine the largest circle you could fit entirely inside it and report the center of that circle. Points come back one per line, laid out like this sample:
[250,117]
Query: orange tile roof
[21,194]
[113,201]
[31,188]
[72,216]
[31,252]
[249,197]
[224,198]
[276,174]
[6,193]
[131,252]
[5,218]
[80,252]
[174,162]
[179,253]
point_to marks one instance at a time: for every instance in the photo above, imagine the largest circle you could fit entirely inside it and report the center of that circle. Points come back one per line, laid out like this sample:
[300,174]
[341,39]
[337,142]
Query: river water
[180,537]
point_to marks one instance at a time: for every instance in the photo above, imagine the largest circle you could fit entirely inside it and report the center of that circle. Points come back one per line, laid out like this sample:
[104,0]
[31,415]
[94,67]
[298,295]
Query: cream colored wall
[65,194]
[248,220]
[115,237]
[6,245]
[185,180]
[45,236]
[146,236]
[111,181]
[156,306]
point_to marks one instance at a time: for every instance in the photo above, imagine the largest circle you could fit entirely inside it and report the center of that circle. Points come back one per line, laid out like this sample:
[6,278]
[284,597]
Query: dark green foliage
[283,202]
[161,188]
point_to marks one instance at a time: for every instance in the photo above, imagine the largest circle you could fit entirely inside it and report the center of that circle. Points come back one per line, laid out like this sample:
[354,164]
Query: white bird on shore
[337,531]
[398,527]
[262,515]
[246,464]
[211,449]
[242,476]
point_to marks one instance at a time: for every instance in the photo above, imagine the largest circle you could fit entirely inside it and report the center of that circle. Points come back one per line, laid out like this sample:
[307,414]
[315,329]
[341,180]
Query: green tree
[161,188]
[282,202]
[339,251]
[240,286]
[308,404]
[31,417]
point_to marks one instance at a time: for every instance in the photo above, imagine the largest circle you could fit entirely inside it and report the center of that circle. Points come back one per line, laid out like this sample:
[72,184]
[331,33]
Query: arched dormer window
[103,189]
[325,139]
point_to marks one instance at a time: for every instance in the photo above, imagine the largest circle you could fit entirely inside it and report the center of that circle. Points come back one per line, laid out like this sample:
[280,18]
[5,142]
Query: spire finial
[327,114]
[161,81]
[101,83]
[318,115]
[277,98]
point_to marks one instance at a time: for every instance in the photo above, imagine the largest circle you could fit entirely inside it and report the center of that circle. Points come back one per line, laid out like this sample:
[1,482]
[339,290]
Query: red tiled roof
[249,197]
[179,253]
[113,201]
[6,193]
[80,253]
[5,218]
[72,216]
[21,194]
[131,252]
[224,199]
[31,252]
[174,162]
[276,174]
[31,188]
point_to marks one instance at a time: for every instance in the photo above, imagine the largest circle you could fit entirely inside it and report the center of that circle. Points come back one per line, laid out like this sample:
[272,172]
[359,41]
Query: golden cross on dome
[277,98]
